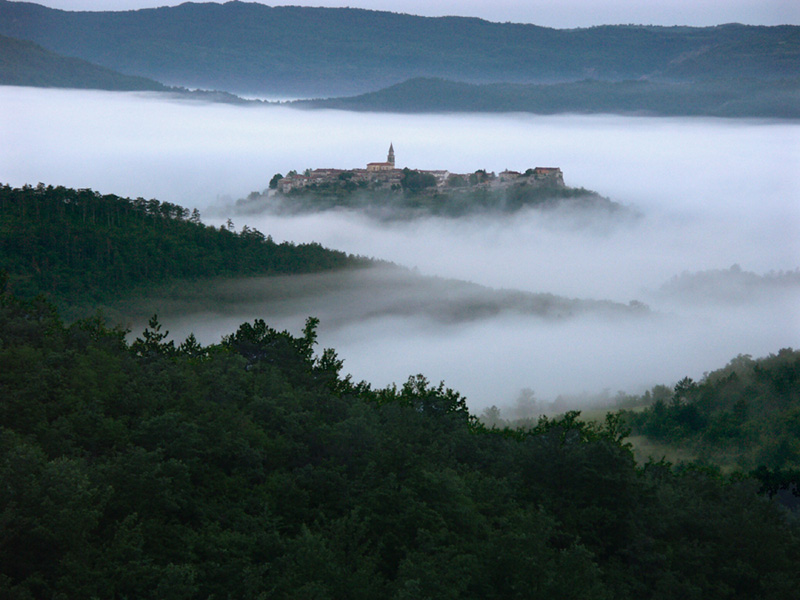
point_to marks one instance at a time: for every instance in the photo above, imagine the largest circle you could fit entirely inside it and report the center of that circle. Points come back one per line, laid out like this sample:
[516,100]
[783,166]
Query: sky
[549,13]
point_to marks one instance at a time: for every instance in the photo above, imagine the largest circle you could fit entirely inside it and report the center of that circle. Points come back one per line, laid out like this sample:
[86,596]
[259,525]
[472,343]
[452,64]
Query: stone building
[549,175]
[383,166]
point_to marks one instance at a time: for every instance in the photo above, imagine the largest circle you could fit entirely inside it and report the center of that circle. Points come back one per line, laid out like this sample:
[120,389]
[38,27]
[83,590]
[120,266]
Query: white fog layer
[712,193]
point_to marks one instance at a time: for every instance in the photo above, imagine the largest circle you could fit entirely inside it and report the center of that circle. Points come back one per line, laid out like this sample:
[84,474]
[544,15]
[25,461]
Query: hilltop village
[385,175]
[384,191]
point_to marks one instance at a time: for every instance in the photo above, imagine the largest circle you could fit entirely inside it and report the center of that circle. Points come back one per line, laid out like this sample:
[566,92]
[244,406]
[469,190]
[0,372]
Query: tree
[191,347]
[683,390]
[478,176]
[273,183]
[492,417]
[525,406]
[152,341]
[416,181]
[456,181]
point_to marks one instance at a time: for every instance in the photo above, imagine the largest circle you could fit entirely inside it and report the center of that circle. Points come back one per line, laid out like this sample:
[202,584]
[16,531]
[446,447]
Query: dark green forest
[252,469]
[317,52]
[82,247]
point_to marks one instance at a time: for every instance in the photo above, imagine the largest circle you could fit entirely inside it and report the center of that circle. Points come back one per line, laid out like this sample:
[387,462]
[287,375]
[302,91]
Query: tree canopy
[746,413]
[252,469]
[82,246]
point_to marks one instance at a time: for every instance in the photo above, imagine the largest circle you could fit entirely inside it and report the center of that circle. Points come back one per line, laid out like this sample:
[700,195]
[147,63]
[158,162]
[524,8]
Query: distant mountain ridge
[718,98]
[246,47]
[28,64]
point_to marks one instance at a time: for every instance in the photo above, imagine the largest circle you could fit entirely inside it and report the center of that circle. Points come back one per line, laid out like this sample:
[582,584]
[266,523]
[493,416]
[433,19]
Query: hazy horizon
[712,192]
[565,14]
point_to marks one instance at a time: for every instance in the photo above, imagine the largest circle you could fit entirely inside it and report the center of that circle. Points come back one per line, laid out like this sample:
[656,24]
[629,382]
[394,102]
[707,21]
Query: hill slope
[80,246]
[26,63]
[248,47]
[721,98]
[746,414]
[251,469]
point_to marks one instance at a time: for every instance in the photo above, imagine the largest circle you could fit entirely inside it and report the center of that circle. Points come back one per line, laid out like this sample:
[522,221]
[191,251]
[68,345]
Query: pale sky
[549,13]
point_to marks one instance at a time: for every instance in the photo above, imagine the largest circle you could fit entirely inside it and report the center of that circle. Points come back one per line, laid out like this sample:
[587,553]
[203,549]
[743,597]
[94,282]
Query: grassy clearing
[644,449]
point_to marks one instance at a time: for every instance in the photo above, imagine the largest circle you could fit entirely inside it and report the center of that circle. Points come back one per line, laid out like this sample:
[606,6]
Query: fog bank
[388,324]
[713,193]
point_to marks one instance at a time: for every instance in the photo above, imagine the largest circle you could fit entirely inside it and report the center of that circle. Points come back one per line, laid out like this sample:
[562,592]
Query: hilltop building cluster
[386,174]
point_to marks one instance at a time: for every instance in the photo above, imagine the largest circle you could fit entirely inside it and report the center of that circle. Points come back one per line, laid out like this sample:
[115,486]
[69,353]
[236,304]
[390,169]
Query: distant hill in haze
[26,63]
[720,98]
[247,47]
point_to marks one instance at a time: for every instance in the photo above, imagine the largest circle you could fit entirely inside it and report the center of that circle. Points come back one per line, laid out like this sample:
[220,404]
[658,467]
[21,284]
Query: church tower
[390,158]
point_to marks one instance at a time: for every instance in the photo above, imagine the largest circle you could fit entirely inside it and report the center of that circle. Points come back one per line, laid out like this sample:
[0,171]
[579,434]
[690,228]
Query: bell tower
[390,158]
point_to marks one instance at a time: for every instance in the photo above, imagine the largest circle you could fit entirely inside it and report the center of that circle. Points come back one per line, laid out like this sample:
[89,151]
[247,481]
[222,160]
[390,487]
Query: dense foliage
[747,413]
[79,245]
[312,52]
[252,469]
[416,181]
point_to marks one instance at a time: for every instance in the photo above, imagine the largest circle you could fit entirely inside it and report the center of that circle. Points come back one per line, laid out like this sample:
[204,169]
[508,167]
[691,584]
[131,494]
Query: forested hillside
[251,469]
[26,63]
[737,97]
[79,246]
[746,414]
[312,52]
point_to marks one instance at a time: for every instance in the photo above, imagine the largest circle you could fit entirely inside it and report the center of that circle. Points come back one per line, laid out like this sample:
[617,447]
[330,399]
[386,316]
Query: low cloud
[388,323]
[712,193]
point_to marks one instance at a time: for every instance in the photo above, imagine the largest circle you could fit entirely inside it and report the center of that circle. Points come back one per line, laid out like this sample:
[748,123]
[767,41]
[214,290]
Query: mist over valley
[339,303]
[711,193]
